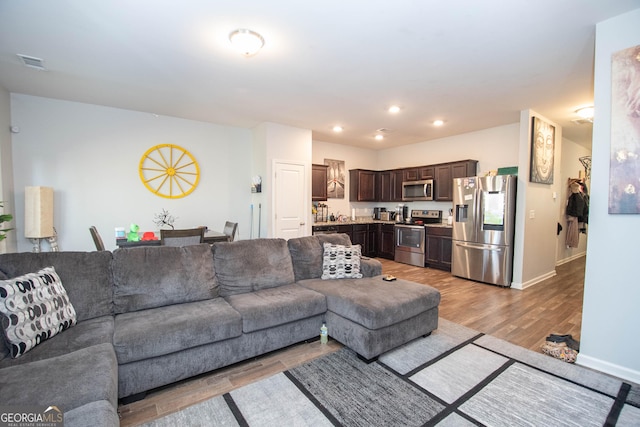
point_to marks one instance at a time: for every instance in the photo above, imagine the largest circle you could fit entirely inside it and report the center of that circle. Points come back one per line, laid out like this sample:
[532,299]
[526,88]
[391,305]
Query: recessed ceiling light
[338,128]
[394,109]
[246,41]
[379,137]
[438,122]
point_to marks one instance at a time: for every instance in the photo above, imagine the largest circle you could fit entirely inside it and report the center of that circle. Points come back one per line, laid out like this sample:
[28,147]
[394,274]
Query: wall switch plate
[532,214]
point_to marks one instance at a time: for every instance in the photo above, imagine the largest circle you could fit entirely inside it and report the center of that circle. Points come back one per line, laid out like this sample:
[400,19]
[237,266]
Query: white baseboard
[534,281]
[608,368]
[571,258]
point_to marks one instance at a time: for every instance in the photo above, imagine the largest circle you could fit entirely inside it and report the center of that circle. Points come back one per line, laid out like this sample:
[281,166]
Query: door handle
[302,223]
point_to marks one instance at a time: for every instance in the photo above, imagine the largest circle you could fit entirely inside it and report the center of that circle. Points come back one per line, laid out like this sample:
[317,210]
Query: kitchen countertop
[371,221]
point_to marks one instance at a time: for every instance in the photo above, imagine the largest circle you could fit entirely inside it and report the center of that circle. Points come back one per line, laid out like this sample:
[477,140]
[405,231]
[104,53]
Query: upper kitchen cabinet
[362,185]
[418,173]
[445,173]
[390,185]
[318,182]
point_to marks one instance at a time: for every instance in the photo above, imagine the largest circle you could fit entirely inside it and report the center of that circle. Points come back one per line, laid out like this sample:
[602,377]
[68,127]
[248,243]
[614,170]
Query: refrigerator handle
[477,208]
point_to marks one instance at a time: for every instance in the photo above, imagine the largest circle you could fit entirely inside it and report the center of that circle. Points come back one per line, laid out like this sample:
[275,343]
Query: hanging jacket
[578,206]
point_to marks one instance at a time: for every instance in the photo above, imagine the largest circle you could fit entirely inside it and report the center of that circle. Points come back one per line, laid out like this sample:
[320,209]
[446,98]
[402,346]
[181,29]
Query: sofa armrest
[370,267]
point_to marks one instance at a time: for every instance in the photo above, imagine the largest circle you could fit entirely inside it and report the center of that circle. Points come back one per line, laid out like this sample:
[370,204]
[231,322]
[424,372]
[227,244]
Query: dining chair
[185,237]
[96,238]
[230,230]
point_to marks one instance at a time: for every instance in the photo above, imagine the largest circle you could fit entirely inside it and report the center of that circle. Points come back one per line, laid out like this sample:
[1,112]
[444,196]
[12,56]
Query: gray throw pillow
[34,308]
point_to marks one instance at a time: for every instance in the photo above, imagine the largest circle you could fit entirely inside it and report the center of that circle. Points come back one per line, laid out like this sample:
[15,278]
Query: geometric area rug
[454,377]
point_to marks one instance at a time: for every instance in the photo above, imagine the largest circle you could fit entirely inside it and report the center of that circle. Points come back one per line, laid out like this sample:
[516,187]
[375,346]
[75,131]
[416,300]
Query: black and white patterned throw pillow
[33,308]
[340,261]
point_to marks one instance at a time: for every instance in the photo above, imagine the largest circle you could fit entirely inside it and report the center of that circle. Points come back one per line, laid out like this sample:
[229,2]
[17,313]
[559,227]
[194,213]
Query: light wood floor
[524,318]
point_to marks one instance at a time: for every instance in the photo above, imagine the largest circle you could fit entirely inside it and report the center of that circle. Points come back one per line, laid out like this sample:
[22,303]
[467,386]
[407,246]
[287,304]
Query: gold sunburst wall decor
[169,171]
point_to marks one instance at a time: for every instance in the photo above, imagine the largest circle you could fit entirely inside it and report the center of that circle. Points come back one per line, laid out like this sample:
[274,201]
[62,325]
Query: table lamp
[38,216]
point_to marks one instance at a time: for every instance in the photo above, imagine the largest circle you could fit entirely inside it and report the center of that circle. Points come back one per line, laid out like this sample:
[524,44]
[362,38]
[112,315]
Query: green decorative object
[4,218]
[132,235]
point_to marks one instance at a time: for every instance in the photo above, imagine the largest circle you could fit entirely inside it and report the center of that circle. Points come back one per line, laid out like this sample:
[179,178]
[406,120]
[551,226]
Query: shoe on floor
[568,339]
[560,351]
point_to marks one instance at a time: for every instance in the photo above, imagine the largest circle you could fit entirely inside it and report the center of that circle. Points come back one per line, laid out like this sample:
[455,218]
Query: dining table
[210,237]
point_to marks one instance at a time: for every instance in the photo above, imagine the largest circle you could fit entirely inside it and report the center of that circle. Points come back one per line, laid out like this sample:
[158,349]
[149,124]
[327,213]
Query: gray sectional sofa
[151,316]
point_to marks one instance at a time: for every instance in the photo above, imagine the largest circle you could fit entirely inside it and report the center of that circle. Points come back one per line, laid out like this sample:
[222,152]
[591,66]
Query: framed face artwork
[335,178]
[543,136]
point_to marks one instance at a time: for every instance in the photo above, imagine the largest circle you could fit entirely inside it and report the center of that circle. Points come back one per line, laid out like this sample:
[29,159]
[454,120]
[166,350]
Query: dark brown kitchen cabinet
[365,235]
[318,182]
[426,172]
[385,186]
[386,241]
[443,183]
[390,185]
[418,173]
[444,175]
[464,169]
[362,185]
[438,248]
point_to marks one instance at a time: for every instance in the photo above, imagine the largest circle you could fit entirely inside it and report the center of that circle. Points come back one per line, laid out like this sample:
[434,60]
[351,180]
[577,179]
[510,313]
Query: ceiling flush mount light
[438,122]
[246,41]
[338,128]
[586,113]
[379,137]
[394,109]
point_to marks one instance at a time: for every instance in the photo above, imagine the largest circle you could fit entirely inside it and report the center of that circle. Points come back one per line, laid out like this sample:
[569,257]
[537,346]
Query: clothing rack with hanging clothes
[577,211]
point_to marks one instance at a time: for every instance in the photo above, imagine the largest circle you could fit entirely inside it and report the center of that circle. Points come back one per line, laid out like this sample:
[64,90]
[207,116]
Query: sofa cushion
[86,276]
[374,303]
[251,265]
[276,306]
[85,334]
[95,414]
[34,308]
[158,331]
[341,262]
[68,381]
[156,276]
[307,253]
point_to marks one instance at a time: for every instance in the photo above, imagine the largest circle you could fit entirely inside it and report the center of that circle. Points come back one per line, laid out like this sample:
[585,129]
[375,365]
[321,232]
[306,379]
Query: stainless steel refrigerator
[483,226]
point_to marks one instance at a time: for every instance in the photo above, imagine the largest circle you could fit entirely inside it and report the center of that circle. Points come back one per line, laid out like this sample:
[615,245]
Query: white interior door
[290,197]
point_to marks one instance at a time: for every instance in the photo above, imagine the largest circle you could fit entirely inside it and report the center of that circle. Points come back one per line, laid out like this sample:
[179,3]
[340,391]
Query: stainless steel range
[410,236]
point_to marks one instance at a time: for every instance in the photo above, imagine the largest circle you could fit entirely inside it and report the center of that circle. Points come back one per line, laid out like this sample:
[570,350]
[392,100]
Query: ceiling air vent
[30,61]
[383,130]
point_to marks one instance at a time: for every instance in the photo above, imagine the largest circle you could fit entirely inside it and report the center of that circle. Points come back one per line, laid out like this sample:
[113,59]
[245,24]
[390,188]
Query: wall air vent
[32,62]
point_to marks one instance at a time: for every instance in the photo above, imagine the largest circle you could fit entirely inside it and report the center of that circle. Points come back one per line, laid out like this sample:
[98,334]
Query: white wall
[611,311]
[9,244]
[493,148]
[536,212]
[570,168]
[90,155]
[280,143]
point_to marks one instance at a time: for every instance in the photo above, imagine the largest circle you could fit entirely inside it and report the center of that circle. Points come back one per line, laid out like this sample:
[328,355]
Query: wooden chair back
[96,238]
[184,237]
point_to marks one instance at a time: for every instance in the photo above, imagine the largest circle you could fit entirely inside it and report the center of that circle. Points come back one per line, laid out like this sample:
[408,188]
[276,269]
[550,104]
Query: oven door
[409,241]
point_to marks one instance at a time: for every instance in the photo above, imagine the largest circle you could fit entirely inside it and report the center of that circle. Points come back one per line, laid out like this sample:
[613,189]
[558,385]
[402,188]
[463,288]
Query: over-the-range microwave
[417,190]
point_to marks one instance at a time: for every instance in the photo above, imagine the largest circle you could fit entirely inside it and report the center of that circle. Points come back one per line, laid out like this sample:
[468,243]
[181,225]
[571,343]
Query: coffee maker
[402,213]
